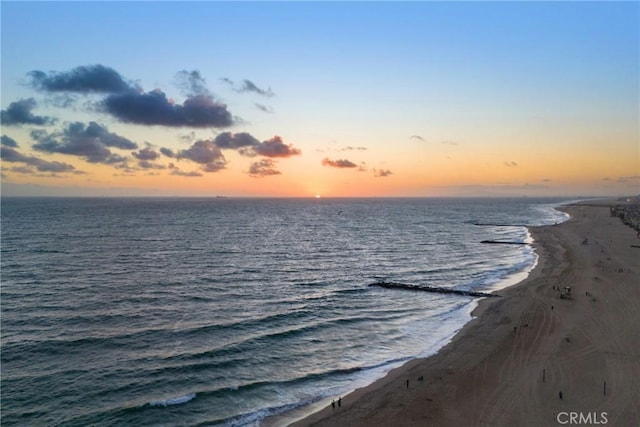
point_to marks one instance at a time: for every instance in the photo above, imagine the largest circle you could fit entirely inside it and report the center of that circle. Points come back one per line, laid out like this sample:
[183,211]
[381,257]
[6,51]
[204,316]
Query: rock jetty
[435,289]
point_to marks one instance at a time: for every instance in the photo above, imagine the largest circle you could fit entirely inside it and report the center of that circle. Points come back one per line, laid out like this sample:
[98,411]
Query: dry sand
[491,375]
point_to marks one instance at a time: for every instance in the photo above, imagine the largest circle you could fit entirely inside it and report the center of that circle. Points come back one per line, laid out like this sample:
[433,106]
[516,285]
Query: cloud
[248,86]
[205,153]
[264,108]
[154,108]
[201,152]
[262,168]
[9,154]
[188,138]
[235,140]
[341,163]
[275,147]
[248,145]
[19,113]
[381,173]
[354,148]
[146,164]
[62,100]
[214,166]
[90,142]
[8,141]
[22,169]
[510,164]
[178,172]
[418,137]
[83,79]
[449,142]
[628,179]
[146,154]
[168,152]
[192,83]
[128,103]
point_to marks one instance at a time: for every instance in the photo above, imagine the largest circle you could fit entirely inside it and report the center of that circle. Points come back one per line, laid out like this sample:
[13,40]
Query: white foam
[174,400]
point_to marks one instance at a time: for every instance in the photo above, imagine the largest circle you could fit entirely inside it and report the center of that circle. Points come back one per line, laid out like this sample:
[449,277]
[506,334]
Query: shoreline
[510,362]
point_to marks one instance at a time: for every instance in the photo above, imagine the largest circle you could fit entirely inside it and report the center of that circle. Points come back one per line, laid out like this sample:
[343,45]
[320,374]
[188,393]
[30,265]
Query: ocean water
[198,312]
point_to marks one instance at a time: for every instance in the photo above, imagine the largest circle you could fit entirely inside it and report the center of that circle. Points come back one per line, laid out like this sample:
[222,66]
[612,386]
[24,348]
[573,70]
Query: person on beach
[333,404]
[340,401]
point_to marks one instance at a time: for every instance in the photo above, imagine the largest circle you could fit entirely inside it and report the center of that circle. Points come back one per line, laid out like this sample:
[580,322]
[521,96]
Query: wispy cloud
[628,179]
[510,164]
[248,86]
[418,137]
[264,108]
[354,149]
[381,173]
[149,165]
[192,83]
[189,174]
[340,163]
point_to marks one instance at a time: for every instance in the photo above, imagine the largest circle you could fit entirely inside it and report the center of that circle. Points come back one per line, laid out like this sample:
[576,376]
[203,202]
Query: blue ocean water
[197,312]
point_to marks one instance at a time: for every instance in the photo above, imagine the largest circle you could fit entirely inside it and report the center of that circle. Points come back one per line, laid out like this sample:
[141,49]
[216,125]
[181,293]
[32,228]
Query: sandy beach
[530,358]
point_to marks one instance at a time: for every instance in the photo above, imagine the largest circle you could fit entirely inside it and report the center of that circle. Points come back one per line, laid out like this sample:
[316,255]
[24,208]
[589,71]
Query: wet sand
[510,364]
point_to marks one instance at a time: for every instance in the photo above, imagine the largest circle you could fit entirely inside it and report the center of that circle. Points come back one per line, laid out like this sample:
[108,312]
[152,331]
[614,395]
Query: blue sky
[482,84]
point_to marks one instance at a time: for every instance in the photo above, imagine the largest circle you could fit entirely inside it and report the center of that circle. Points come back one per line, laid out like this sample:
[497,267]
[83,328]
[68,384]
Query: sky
[328,99]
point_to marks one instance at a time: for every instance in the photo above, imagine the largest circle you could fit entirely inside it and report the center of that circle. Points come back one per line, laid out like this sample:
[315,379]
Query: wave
[253,328]
[254,417]
[173,400]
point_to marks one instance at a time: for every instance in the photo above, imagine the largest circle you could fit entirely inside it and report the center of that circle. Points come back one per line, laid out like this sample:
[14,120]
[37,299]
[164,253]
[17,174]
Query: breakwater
[435,289]
[502,242]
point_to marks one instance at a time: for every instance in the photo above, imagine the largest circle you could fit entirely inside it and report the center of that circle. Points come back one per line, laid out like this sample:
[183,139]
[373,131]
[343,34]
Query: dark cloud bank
[129,103]
[19,113]
[9,153]
[208,153]
[83,79]
[91,142]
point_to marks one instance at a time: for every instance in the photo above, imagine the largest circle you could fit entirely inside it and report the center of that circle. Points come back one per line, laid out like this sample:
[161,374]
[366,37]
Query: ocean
[223,311]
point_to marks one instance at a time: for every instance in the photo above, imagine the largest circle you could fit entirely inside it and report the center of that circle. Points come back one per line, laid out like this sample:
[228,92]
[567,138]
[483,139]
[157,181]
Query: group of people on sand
[333,402]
